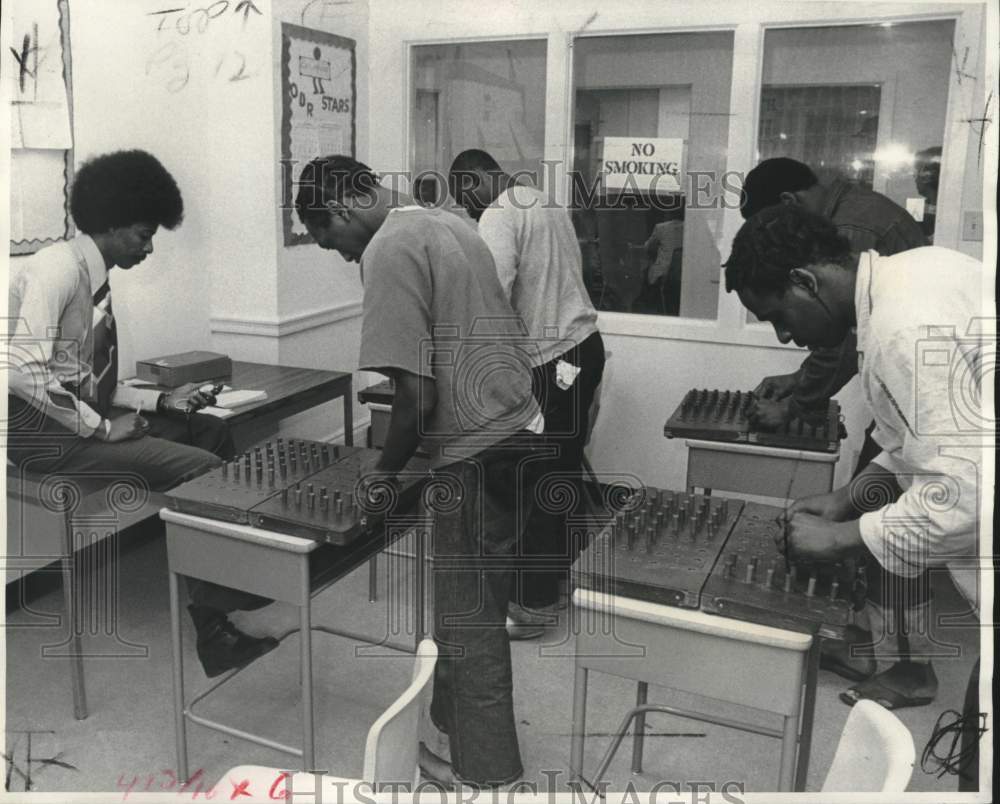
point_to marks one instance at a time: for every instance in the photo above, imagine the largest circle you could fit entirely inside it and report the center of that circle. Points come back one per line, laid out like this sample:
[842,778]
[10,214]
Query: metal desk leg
[579,727]
[373,578]
[808,710]
[76,678]
[419,594]
[305,635]
[641,694]
[349,415]
[180,721]
[789,741]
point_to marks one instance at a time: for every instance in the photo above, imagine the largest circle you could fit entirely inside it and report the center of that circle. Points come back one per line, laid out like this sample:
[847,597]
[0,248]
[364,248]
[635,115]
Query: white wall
[318,293]
[206,131]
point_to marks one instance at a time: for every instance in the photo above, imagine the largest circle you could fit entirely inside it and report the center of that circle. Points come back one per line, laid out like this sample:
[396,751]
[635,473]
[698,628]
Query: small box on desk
[174,370]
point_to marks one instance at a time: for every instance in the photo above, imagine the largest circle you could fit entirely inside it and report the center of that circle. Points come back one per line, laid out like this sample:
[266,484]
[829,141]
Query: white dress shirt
[50,346]
[919,370]
[538,262]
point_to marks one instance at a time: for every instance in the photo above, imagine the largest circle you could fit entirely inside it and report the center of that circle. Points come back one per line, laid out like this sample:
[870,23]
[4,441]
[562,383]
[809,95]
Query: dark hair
[932,154]
[124,188]
[764,184]
[474,159]
[462,178]
[777,240]
[331,178]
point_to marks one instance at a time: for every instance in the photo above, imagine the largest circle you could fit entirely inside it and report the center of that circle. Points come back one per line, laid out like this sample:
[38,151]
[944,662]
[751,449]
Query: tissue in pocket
[566,374]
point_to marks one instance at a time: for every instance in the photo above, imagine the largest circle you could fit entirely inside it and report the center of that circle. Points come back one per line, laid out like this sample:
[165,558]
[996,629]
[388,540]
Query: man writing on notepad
[67,412]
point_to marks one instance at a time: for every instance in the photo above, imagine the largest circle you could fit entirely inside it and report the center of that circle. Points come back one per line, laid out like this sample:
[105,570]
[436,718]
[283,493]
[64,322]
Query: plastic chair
[875,753]
[391,750]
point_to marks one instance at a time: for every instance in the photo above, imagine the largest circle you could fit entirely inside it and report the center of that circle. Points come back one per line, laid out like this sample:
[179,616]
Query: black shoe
[221,645]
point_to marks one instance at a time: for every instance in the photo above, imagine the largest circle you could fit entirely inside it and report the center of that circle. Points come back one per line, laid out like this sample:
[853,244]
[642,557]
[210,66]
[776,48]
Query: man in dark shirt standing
[868,220]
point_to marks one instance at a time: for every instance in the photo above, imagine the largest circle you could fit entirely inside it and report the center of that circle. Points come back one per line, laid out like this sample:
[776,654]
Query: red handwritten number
[208,794]
[173,780]
[126,788]
[283,793]
[197,777]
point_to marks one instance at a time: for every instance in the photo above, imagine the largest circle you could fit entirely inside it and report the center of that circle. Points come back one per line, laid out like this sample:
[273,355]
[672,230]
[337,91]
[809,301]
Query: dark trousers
[175,449]
[474,553]
[968,770]
[869,450]
[558,481]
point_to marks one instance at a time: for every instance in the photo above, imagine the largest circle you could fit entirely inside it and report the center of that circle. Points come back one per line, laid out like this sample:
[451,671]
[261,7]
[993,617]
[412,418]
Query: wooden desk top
[286,386]
[290,389]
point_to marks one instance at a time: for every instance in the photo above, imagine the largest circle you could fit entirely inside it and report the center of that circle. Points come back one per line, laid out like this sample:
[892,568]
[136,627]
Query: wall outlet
[972,225]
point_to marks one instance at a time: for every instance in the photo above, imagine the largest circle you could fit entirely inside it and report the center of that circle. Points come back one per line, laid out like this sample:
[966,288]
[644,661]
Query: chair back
[875,753]
[392,745]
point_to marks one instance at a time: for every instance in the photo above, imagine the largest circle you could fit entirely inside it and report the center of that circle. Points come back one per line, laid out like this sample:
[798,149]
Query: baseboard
[360,430]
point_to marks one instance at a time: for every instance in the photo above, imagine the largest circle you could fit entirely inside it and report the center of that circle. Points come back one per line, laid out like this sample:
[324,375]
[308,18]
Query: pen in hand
[138,412]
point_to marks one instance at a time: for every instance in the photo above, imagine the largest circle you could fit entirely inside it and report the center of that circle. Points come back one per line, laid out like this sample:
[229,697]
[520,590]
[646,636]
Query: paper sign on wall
[653,165]
[318,108]
[38,79]
[39,108]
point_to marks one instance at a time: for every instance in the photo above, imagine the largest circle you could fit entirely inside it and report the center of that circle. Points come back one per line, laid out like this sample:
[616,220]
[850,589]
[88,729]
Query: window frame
[730,326]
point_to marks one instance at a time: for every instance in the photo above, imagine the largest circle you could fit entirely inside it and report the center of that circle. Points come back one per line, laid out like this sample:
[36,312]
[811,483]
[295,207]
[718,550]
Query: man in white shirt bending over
[538,261]
[921,362]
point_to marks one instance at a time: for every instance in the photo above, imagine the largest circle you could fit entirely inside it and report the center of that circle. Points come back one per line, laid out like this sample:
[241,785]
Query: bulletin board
[318,116]
[41,159]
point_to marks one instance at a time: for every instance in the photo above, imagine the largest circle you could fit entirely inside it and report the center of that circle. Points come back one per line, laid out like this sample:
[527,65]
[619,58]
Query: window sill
[703,330]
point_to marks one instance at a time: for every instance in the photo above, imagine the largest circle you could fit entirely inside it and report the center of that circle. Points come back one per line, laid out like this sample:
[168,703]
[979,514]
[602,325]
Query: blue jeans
[474,548]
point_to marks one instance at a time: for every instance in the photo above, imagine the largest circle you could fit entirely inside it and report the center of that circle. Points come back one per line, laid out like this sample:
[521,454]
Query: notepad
[219,413]
[237,399]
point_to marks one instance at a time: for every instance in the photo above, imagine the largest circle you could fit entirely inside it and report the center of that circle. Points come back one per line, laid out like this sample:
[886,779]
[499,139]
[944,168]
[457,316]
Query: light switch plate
[972,225]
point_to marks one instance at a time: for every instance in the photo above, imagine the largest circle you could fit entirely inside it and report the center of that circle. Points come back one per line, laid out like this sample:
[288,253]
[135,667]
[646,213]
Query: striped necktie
[105,366]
